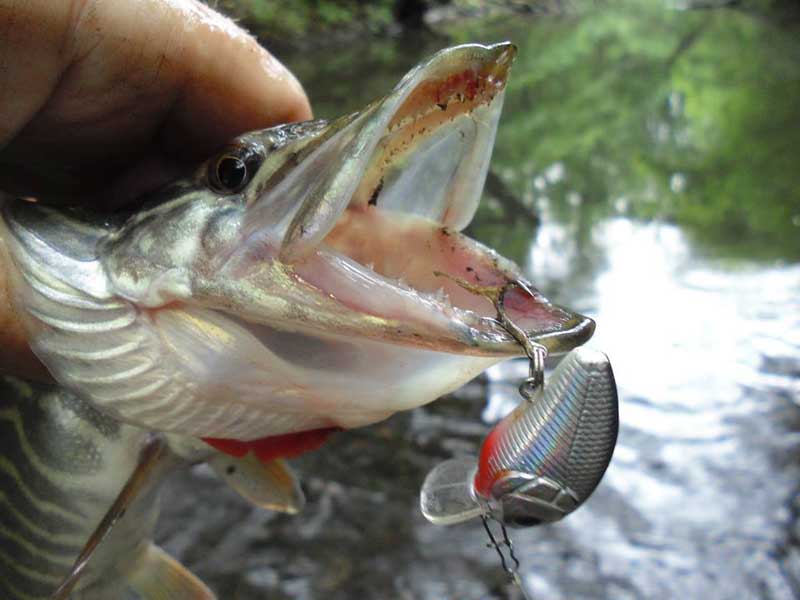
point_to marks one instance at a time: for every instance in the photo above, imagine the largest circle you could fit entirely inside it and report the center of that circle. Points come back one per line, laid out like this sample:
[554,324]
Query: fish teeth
[441,297]
[370,265]
[401,282]
[448,306]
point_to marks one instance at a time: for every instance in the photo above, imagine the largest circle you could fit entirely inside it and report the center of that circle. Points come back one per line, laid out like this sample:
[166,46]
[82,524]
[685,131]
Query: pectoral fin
[158,576]
[152,456]
[270,484]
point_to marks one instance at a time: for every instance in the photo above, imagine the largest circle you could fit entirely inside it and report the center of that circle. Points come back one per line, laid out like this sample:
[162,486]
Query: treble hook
[513,571]
[496,545]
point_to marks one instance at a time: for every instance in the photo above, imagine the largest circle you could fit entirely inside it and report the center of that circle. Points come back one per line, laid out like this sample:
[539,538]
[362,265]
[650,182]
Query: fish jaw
[370,244]
[331,291]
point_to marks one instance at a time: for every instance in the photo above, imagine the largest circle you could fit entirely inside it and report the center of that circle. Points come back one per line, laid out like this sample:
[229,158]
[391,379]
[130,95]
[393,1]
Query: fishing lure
[543,460]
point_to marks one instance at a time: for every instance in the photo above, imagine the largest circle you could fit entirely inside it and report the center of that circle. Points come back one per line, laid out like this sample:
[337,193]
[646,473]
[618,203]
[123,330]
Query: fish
[543,460]
[308,278]
[64,465]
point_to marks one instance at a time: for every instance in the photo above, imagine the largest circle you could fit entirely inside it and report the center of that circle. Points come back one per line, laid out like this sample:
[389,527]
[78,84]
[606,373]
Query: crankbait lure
[543,460]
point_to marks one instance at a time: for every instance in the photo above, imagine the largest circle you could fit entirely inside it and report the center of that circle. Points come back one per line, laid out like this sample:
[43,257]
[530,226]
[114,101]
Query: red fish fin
[231,447]
[267,449]
[290,445]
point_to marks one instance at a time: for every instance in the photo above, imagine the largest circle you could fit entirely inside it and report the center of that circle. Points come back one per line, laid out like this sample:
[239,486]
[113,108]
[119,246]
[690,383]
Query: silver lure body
[547,457]
[543,460]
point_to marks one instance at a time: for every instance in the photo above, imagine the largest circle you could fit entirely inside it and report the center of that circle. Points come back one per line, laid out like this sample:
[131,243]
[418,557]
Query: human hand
[101,100]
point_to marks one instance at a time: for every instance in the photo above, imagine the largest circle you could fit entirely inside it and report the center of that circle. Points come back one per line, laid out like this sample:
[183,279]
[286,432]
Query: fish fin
[151,456]
[270,484]
[235,448]
[289,445]
[158,576]
[286,445]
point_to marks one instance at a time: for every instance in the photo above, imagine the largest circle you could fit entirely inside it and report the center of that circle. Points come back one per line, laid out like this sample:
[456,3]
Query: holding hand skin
[102,100]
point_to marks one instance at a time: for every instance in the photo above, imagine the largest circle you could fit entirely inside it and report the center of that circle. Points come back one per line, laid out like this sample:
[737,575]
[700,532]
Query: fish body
[543,460]
[63,463]
[66,467]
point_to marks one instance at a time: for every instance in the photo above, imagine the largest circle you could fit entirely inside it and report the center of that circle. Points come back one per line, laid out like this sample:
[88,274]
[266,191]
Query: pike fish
[307,278]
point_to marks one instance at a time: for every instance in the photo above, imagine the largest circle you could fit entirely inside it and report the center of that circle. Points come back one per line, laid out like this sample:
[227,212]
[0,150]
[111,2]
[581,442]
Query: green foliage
[681,115]
[379,15]
[690,116]
[297,23]
[332,15]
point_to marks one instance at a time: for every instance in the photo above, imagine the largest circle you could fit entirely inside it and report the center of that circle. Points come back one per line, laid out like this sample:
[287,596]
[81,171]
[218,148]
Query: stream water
[657,213]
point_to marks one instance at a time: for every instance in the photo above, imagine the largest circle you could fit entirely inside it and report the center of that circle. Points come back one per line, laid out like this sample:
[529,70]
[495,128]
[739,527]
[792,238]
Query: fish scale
[64,466]
[59,448]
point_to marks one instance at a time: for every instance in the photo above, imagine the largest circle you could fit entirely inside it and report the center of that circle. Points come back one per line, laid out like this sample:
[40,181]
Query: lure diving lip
[543,460]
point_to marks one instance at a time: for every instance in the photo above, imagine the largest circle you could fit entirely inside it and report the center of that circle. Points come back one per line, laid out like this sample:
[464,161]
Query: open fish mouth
[311,275]
[377,236]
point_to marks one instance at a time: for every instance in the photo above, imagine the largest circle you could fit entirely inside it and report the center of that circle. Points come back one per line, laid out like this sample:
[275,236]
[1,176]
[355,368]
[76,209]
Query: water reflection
[701,428]
[698,497]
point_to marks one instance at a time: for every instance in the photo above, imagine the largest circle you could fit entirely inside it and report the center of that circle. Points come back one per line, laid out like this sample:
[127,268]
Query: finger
[136,78]
[209,79]
[238,87]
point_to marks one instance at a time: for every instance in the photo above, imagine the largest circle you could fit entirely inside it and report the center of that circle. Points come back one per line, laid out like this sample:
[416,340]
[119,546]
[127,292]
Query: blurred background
[646,173]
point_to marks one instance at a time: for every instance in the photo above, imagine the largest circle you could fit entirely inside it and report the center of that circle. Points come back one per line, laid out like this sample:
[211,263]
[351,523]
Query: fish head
[314,274]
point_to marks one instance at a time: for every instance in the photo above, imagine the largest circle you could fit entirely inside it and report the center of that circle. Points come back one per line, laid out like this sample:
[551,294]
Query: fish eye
[229,173]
